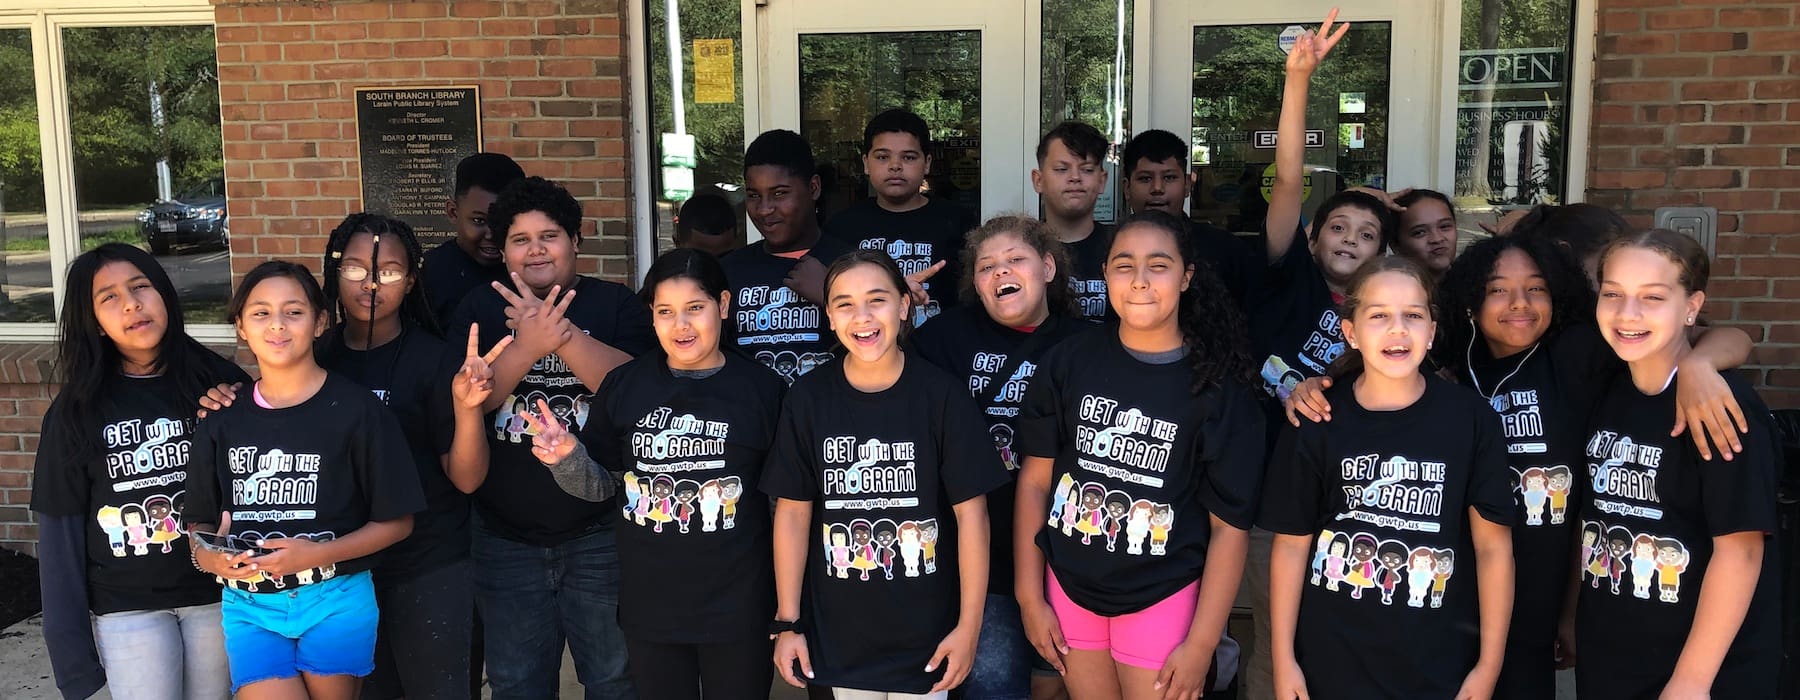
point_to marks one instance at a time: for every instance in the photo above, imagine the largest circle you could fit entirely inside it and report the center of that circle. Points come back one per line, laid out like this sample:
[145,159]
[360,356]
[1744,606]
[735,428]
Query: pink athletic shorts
[1142,639]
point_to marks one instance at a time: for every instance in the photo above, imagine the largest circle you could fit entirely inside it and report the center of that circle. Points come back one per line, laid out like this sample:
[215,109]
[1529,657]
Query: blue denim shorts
[324,629]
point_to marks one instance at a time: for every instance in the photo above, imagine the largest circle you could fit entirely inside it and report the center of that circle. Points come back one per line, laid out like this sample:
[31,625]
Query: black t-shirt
[318,470]
[916,239]
[1648,519]
[520,500]
[1088,279]
[773,323]
[1389,606]
[1543,396]
[694,552]
[965,342]
[1141,462]
[409,377]
[133,494]
[882,471]
[1294,329]
[449,274]
[1233,259]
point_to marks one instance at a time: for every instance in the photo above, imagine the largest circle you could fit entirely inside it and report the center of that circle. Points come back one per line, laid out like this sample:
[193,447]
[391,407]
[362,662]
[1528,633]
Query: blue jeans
[534,599]
[1003,655]
[173,654]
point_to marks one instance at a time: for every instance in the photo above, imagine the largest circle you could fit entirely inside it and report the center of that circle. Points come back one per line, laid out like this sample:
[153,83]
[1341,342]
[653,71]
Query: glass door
[1371,115]
[830,65]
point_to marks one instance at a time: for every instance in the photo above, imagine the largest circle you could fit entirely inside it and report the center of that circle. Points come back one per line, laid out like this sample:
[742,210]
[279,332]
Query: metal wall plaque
[409,140]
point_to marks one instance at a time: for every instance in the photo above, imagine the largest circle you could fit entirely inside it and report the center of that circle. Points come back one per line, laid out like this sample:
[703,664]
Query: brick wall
[1698,103]
[25,395]
[552,78]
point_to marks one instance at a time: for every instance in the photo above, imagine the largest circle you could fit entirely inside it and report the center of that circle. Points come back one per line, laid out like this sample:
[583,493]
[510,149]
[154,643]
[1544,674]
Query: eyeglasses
[355,273]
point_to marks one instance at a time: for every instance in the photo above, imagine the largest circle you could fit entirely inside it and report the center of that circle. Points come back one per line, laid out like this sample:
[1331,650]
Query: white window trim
[46,19]
[1581,100]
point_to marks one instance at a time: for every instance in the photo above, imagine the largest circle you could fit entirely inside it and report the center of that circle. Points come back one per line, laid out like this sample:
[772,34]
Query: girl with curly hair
[1159,408]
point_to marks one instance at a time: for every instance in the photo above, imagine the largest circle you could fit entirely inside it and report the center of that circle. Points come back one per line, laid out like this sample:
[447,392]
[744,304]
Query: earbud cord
[1469,360]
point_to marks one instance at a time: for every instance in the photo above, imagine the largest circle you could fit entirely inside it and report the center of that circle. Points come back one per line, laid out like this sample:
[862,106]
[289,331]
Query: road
[202,278]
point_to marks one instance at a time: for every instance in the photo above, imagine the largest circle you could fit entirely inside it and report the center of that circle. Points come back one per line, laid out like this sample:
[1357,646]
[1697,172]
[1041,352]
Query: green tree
[21,156]
[112,73]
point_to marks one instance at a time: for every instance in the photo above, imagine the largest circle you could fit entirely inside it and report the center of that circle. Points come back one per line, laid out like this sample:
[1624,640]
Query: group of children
[904,454]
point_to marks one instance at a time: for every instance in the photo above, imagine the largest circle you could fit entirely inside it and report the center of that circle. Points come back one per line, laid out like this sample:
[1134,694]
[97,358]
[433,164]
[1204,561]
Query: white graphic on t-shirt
[911,257]
[261,582]
[154,522]
[1610,552]
[1090,296]
[865,546]
[1399,493]
[1624,478]
[1541,486]
[792,365]
[1322,347]
[652,501]
[774,316]
[275,478]
[1522,420]
[1093,510]
[1360,561]
[160,445]
[872,468]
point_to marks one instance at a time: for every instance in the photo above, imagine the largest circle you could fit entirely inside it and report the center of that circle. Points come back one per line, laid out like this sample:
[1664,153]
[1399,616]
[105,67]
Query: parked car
[194,217]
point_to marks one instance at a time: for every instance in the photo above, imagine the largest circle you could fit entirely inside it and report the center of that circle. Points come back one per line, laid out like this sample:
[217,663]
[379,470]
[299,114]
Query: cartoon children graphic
[1418,576]
[1536,489]
[885,533]
[1392,556]
[1071,511]
[1361,575]
[137,527]
[710,502]
[112,522]
[1117,504]
[1592,553]
[686,491]
[516,427]
[1334,561]
[1093,512]
[1643,565]
[1162,517]
[837,544]
[1321,550]
[632,495]
[1618,544]
[731,489]
[1060,500]
[503,420]
[662,502]
[1440,576]
[645,500]
[911,547]
[1003,440]
[930,529]
[1671,559]
[1137,526]
[862,547]
[1560,481]
[164,529]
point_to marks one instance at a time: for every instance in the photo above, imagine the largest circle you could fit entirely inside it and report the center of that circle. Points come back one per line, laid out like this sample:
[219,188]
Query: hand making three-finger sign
[540,324]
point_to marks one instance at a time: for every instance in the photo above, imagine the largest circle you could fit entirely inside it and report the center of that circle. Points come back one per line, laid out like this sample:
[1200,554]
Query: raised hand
[474,382]
[540,324]
[1310,49]
[552,443]
[915,282]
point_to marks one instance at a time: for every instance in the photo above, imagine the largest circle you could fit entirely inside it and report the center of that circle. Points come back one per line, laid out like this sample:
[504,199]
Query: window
[127,149]
[1086,63]
[1512,99]
[703,150]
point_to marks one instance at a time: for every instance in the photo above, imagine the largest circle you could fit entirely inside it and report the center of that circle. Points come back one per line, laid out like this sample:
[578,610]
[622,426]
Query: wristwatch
[776,627]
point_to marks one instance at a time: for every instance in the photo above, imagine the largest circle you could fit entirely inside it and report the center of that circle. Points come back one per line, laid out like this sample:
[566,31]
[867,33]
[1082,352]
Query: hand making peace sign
[475,381]
[552,443]
[1310,48]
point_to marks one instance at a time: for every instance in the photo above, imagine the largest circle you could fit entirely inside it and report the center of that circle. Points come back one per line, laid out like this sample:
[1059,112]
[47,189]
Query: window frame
[46,19]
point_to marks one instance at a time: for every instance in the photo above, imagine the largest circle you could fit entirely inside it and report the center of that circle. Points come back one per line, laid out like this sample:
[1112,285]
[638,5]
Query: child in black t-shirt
[1382,515]
[708,222]
[922,234]
[1020,306]
[568,332]
[1155,163]
[778,283]
[1142,459]
[109,491]
[291,496]
[881,539]
[1678,581]
[1070,178]
[471,260]
[1531,353]
[695,594]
